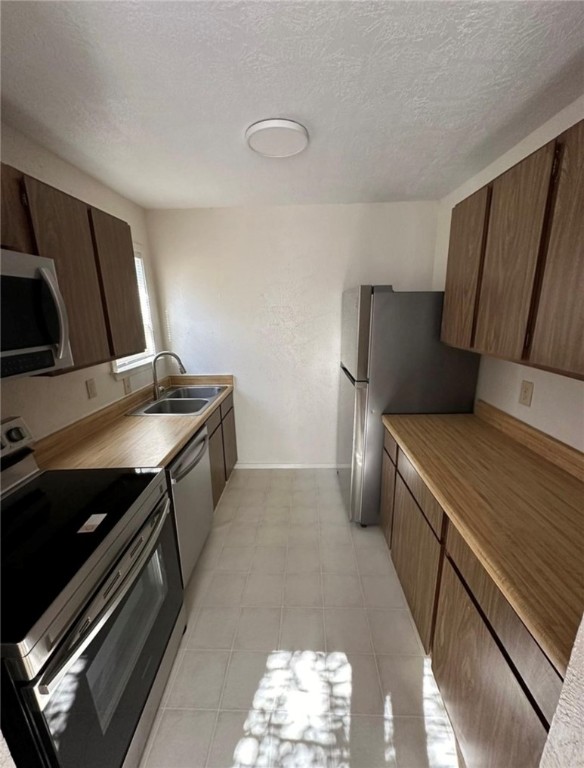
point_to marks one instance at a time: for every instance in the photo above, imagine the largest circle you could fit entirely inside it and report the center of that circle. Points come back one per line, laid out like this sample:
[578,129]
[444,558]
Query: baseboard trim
[243,465]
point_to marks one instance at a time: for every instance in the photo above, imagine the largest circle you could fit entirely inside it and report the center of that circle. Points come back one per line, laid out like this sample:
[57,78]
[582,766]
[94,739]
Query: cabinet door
[387,491]
[17,234]
[492,718]
[558,339]
[417,487]
[465,258]
[416,554]
[229,442]
[540,677]
[518,207]
[115,260]
[217,465]
[62,232]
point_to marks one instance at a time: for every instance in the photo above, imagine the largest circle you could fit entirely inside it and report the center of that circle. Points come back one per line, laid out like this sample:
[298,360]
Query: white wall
[256,292]
[558,402]
[49,403]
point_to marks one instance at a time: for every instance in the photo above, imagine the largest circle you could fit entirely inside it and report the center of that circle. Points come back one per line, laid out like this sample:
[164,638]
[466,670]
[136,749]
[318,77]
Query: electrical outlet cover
[91,388]
[526,393]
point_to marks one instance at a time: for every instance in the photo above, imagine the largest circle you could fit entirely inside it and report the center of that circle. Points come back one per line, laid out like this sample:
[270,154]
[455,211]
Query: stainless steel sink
[169,406]
[195,391]
[180,400]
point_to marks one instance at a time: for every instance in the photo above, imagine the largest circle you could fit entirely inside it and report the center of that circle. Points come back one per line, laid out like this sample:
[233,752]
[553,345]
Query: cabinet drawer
[537,672]
[493,719]
[390,446]
[416,554]
[428,504]
[213,421]
[226,405]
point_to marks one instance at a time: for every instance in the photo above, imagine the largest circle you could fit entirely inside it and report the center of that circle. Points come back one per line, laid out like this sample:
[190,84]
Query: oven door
[88,701]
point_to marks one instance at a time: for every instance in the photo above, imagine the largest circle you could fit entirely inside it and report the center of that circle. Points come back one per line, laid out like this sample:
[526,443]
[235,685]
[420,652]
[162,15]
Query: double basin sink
[180,401]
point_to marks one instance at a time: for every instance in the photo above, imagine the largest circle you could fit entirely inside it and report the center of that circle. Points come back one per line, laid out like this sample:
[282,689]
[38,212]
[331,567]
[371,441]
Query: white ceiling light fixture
[277,137]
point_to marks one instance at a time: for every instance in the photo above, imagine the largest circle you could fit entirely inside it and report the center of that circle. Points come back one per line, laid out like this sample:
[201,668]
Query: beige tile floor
[300,651]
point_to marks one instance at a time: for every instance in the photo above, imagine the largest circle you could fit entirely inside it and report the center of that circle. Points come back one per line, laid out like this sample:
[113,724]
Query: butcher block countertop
[111,438]
[522,516]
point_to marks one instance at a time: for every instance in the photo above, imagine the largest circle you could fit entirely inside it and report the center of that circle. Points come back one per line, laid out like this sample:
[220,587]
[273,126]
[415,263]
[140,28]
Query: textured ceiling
[403,100]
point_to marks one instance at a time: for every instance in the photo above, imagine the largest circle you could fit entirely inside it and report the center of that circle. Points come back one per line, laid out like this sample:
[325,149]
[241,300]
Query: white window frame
[128,365]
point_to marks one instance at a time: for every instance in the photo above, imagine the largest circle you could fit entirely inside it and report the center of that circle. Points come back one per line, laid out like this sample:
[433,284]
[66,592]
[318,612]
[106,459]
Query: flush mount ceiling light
[277,138]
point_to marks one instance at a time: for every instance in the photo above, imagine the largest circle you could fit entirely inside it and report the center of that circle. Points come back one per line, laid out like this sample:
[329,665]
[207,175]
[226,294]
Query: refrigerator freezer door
[356,317]
[351,442]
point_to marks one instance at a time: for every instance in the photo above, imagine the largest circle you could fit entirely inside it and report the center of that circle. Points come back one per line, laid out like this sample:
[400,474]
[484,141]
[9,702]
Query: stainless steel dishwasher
[190,486]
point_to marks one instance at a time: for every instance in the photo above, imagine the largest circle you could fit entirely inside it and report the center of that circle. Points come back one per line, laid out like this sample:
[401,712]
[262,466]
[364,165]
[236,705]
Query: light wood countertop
[128,441]
[522,516]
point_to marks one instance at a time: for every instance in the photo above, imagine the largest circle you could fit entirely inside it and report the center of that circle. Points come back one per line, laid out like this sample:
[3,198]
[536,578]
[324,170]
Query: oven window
[112,666]
[28,314]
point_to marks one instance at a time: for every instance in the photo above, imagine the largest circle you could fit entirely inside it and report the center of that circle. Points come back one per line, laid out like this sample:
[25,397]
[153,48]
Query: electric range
[91,608]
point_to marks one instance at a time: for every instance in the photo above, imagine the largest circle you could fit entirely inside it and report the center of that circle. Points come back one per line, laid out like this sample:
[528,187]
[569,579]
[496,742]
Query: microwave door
[34,324]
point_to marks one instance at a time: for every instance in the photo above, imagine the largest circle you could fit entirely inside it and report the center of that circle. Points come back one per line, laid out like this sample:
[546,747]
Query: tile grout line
[228,665]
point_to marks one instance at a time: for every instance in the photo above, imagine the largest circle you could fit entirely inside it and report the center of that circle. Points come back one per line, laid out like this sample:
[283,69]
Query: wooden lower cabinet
[416,554]
[534,668]
[421,493]
[387,493]
[217,464]
[229,442]
[494,722]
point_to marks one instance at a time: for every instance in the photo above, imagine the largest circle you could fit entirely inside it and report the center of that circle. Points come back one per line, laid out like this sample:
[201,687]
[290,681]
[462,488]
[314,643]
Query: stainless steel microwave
[34,329]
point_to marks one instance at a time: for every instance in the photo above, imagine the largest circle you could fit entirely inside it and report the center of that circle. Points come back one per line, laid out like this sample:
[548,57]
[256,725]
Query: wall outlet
[91,388]
[526,393]
[127,385]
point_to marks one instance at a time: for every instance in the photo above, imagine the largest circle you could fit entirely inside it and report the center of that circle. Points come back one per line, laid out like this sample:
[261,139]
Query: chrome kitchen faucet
[157,388]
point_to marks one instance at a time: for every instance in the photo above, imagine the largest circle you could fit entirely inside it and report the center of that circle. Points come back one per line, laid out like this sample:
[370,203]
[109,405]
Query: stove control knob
[16,434]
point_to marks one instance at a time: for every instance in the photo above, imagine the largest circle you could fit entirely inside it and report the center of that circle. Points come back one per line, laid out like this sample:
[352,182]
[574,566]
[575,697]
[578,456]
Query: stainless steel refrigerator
[392,361]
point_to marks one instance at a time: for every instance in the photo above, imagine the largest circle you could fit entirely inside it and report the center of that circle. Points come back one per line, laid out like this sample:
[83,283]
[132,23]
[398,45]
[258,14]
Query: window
[125,364]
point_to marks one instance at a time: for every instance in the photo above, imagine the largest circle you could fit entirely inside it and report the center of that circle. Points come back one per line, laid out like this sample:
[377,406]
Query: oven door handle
[53,286]
[59,666]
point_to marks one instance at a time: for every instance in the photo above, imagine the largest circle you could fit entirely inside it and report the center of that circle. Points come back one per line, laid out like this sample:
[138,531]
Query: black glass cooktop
[50,527]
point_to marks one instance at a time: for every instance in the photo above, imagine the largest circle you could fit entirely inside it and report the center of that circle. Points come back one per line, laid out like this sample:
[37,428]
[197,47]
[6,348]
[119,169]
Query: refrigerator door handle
[347,374]
[358,458]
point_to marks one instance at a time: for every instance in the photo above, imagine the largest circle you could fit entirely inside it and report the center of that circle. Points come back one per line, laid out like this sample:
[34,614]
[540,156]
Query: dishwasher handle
[182,468]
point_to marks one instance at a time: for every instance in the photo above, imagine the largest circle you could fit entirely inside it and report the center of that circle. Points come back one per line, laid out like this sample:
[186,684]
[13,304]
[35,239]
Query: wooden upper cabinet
[558,336]
[62,233]
[17,234]
[115,261]
[518,209]
[465,255]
